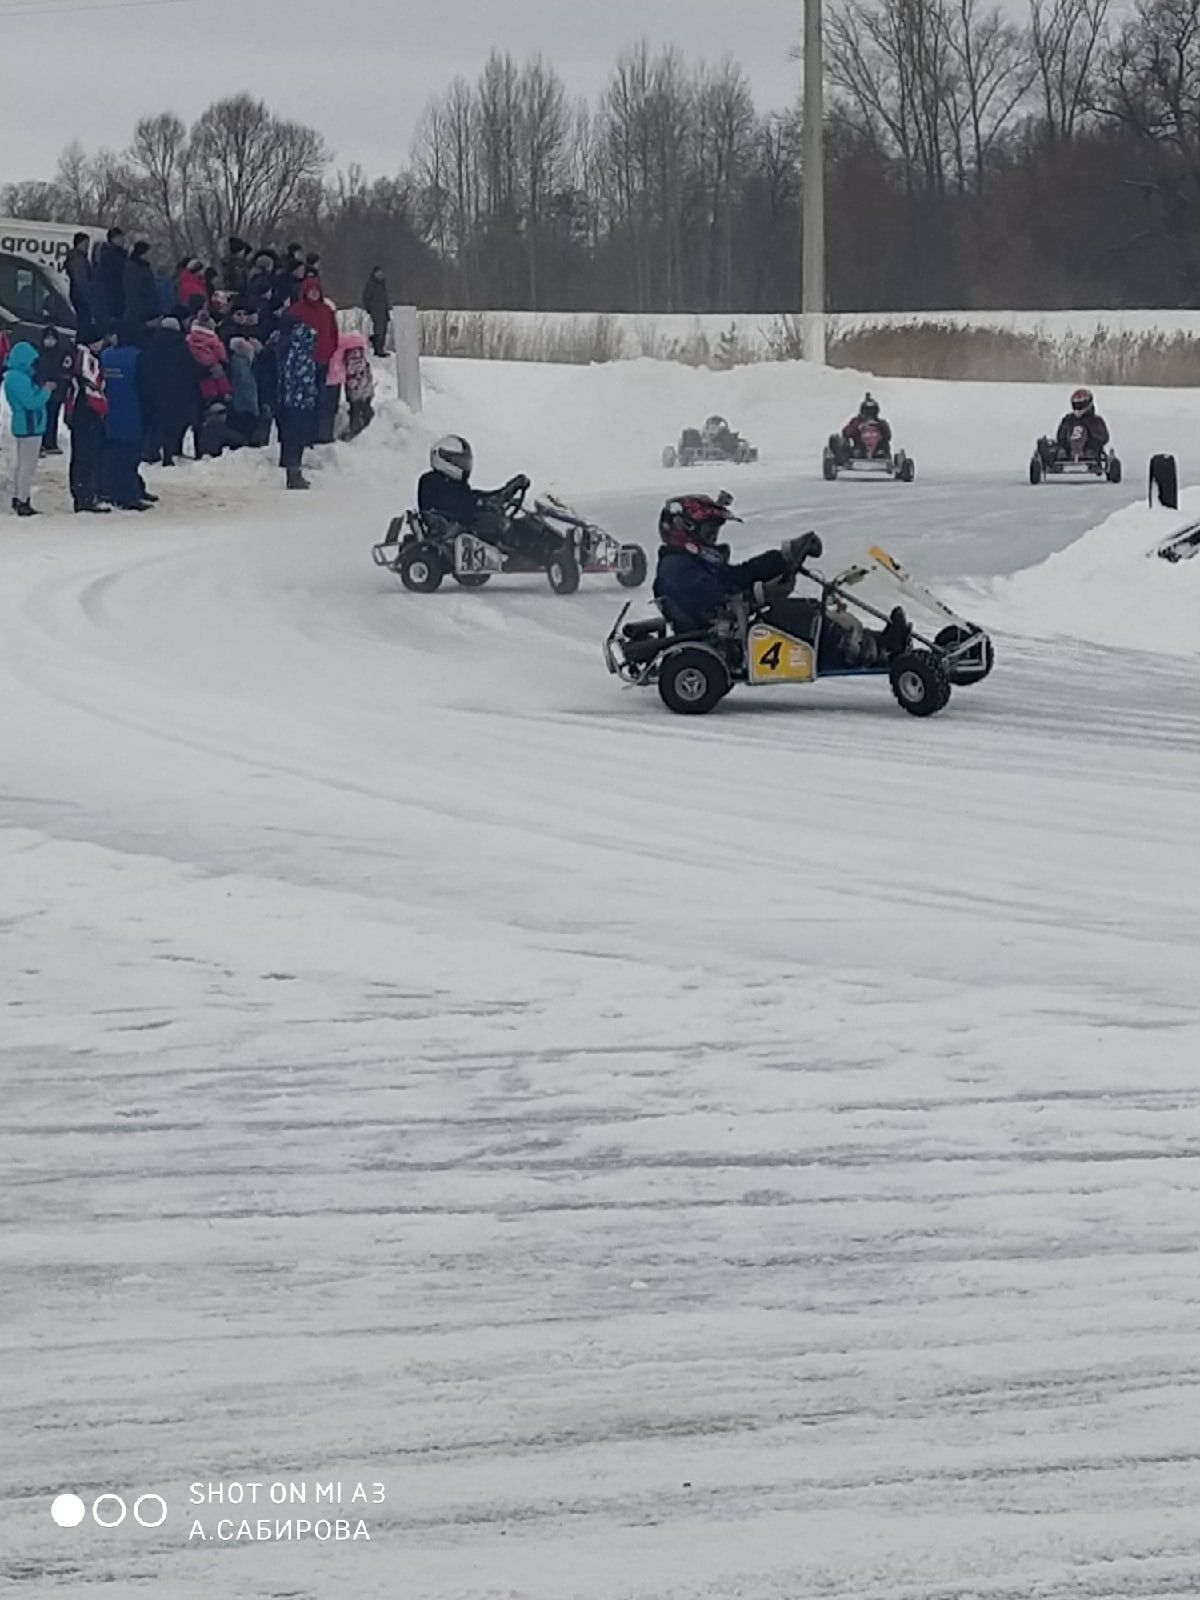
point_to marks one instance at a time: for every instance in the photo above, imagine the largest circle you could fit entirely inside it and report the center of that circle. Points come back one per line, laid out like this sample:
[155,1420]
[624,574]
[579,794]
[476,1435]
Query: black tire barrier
[1164,480]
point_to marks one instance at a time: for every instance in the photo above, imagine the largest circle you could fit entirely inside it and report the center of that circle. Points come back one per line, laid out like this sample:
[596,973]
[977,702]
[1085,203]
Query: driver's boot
[897,635]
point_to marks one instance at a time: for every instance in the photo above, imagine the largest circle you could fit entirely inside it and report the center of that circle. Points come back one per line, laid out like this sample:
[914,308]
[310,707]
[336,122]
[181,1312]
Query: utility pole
[813,298]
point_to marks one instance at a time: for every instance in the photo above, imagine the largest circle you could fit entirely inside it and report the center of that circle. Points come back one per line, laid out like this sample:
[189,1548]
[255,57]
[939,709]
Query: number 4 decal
[771,658]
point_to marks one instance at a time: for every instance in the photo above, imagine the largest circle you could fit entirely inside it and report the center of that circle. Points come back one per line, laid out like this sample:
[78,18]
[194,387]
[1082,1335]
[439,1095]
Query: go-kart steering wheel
[512,495]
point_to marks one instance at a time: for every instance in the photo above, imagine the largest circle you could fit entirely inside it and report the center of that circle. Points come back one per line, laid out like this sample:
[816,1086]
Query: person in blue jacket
[124,426]
[27,400]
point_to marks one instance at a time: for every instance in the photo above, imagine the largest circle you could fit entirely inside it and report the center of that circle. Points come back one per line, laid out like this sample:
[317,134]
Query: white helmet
[715,427]
[453,458]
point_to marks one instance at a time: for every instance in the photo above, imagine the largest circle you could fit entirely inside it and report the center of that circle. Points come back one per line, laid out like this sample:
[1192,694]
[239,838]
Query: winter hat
[266,255]
[171,324]
[141,249]
[238,247]
[195,264]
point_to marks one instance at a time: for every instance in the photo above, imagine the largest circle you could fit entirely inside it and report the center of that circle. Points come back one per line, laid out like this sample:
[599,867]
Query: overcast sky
[359,70]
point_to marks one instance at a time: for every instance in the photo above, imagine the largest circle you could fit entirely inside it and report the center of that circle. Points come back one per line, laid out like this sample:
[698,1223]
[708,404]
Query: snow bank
[1110,587]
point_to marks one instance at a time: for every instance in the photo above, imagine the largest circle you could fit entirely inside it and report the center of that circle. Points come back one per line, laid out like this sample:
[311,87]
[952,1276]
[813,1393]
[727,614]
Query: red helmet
[693,519]
[1083,401]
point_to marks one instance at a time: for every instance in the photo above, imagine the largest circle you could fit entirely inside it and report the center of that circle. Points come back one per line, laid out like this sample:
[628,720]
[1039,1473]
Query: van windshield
[27,292]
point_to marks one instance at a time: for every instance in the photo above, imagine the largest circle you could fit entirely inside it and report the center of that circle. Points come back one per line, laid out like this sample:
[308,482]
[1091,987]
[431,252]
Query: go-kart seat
[648,628]
[433,526]
[677,620]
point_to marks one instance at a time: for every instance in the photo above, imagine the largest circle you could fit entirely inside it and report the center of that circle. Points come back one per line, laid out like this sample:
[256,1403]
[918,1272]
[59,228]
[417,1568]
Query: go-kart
[801,642]
[1051,460]
[694,449]
[422,548]
[870,458]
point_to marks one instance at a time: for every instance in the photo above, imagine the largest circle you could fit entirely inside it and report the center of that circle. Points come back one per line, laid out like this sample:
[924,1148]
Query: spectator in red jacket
[193,291]
[312,308]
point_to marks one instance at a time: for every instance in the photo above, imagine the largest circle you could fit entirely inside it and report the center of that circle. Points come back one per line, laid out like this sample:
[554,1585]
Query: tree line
[972,161]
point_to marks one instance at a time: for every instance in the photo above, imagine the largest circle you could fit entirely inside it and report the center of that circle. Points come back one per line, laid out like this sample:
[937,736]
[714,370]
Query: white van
[45,243]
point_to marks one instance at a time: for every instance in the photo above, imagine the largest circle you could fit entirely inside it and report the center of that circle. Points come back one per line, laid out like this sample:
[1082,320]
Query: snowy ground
[757,1157]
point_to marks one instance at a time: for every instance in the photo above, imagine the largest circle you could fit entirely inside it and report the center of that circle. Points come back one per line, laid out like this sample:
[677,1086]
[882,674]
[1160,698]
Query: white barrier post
[406,333]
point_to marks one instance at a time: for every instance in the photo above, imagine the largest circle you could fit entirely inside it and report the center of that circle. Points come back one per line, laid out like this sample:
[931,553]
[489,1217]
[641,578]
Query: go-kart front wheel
[961,673]
[919,684]
[670,456]
[906,468]
[562,570]
[829,466]
[634,575]
[471,580]
[1035,469]
[692,680]
[1113,470]
[421,568]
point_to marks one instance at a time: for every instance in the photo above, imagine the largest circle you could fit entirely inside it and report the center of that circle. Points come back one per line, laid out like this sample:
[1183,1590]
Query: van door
[29,299]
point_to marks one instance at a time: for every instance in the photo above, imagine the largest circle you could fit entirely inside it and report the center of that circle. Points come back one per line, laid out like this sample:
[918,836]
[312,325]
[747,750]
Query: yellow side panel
[777,658]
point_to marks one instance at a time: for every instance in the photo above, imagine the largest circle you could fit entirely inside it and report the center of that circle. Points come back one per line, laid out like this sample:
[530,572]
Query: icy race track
[755,1158]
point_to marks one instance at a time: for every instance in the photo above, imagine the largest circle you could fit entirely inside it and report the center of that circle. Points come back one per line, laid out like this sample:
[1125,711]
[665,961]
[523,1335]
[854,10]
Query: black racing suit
[481,512]
[1094,426]
[472,510]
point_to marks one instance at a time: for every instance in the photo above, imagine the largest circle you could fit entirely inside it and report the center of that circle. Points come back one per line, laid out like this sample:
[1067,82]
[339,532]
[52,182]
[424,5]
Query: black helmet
[1083,402]
[869,410]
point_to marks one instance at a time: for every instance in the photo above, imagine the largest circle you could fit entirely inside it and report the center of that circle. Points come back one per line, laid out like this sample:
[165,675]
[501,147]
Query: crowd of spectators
[228,357]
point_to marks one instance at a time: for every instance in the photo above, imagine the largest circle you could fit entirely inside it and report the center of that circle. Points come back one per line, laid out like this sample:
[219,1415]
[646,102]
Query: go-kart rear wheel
[421,567]
[959,673]
[1035,469]
[906,469]
[471,580]
[1113,471]
[692,680]
[919,684]
[633,576]
[562,569]
[670,456]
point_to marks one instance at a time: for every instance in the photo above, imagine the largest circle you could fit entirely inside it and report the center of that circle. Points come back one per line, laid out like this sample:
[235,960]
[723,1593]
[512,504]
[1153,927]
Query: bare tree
[996,71]
[1066,39]
[544,144]
[725,125]
[1150,87]
[161,154]
[250,168]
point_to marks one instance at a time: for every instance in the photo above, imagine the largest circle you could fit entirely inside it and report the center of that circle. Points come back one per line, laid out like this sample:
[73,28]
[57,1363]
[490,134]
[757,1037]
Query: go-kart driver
[852,433]
[718,435]
[1083,415]
[446,490]
[696,579]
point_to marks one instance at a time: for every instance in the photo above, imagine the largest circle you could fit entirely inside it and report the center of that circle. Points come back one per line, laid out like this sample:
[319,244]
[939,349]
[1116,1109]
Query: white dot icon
[68,1510]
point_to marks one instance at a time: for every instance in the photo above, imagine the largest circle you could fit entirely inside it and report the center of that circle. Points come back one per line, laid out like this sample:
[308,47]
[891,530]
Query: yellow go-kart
[782,640]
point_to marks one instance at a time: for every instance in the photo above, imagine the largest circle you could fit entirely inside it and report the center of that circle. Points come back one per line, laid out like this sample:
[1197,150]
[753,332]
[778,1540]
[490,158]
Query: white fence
[1156,347]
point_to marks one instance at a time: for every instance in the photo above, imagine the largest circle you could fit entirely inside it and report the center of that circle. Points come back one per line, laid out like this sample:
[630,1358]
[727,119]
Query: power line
[22,8]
